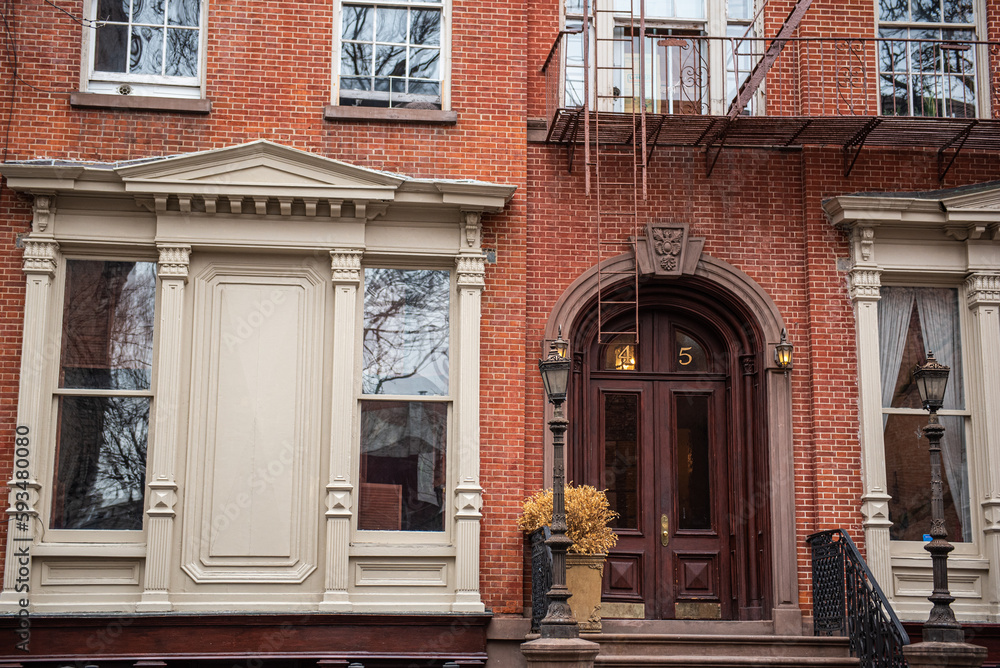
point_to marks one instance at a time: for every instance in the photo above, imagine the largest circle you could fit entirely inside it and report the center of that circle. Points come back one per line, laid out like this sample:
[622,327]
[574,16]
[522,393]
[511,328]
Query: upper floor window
[147,47]
[392,54]
[926,65]
[680,55]
[103,395]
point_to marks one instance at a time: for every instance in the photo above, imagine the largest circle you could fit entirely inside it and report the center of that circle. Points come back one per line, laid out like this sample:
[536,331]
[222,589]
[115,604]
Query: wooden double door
[663,427]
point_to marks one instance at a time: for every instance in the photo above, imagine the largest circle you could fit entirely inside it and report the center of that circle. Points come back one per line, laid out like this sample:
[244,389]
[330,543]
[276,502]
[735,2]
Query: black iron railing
[848,601]
[541,576]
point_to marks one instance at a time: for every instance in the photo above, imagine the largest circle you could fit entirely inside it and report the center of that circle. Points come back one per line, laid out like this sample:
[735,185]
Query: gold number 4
[685,357]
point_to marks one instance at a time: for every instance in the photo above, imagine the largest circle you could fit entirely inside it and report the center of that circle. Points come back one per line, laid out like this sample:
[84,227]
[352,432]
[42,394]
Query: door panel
[661,456]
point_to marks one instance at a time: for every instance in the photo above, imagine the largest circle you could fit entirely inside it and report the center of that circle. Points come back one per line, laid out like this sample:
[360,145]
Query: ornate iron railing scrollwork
[848,601]
[541,576]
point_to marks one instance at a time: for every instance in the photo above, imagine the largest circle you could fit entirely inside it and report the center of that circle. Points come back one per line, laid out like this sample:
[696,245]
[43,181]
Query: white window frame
[46,455]
[445,62]
[409,538]
[124,84]
[980,55]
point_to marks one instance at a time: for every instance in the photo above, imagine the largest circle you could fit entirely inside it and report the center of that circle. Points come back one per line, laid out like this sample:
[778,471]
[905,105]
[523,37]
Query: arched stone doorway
[709,497]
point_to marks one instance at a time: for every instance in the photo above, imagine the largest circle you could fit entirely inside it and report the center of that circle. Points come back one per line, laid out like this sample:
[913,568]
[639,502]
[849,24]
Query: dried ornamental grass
[588,515]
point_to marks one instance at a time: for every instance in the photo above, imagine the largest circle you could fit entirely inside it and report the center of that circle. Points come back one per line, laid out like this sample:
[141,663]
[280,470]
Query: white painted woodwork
[465,451]
[255,424]
[162,467]
[950,240]
[253,439]
[41,256]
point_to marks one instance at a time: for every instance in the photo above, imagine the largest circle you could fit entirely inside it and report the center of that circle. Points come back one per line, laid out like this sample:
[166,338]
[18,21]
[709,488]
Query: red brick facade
[269,77]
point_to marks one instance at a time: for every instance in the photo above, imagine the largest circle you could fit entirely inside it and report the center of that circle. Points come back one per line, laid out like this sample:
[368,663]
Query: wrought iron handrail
[541,576]
[848,601]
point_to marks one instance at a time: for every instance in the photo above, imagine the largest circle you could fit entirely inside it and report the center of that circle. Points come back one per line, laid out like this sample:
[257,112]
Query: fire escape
[840,101]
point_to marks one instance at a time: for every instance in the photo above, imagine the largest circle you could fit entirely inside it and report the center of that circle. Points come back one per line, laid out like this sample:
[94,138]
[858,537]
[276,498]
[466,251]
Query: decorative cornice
[44,208]
[174,261]
[473,227]
[40,256]
[345,263]
[983,288]
[865,284]
[471,271]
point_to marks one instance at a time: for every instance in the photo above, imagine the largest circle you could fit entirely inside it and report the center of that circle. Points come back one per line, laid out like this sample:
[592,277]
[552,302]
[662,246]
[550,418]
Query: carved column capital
[865,284]
[162,497]
[982,288]
[345,263]
[40,256]
[174,261]
[339,499]
[471,271]
[472,221]
[875,510]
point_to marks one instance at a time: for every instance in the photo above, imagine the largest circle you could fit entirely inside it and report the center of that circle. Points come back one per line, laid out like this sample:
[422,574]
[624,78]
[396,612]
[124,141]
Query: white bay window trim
[946,238]
[307,225]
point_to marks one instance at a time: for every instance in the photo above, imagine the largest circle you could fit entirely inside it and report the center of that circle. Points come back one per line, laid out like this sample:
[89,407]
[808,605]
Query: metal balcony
[845,92]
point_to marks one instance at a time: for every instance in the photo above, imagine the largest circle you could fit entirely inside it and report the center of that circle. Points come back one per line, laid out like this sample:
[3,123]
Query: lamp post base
[944,655]
[561,653]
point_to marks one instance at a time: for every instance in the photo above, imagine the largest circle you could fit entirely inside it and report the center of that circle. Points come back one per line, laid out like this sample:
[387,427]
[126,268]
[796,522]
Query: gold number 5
[685,357]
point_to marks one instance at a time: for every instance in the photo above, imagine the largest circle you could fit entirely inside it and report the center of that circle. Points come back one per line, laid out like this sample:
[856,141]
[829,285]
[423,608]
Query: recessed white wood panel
[255,425]
[253,454]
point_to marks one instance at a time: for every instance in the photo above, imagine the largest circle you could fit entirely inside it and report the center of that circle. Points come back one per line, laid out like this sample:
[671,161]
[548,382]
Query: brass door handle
[664,530]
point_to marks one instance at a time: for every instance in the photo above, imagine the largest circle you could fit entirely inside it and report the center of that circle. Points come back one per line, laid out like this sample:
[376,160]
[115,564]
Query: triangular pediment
[259,169]
[978,198]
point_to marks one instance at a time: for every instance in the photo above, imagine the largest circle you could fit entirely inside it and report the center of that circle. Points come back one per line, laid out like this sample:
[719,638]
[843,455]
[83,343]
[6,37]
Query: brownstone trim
[331,639]
[399,115]
[140,102]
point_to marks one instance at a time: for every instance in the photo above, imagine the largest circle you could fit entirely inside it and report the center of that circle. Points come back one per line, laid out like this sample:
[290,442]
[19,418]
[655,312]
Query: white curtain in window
[937,309]
[894,310]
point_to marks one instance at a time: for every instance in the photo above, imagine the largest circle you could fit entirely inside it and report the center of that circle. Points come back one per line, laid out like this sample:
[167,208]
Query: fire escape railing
[848,601]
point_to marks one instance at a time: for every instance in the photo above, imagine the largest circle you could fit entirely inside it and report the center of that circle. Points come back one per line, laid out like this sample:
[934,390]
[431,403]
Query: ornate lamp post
[559,621]
[931,379]
[943,638]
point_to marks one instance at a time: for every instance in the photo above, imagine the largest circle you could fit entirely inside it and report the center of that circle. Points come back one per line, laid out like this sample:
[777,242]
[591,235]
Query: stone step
[678,661]
[643,650]
[771,646]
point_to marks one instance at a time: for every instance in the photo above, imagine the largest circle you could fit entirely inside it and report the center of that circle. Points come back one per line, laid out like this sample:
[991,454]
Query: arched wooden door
[667,427]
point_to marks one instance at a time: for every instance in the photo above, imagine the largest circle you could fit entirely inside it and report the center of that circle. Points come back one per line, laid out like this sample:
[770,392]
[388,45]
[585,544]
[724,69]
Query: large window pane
[406,331]
[694,490]
[913,321]
[403,481]
[100,463]
[107,341]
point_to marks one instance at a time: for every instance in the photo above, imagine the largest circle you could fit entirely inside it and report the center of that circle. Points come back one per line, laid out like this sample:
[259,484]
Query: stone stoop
[720,651]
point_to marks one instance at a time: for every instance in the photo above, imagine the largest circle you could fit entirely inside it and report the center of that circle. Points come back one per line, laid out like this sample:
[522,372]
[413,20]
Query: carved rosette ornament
[40,257]
[345,263]
[471,271]
[865,284]
[174,261]
[983,289]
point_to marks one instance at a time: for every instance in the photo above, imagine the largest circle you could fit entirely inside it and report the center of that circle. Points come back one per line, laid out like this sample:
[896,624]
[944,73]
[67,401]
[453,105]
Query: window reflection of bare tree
[406,331]
[107,345]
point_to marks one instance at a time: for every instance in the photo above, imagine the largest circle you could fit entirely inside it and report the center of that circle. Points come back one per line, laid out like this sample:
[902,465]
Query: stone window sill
[140,102]
[346,113]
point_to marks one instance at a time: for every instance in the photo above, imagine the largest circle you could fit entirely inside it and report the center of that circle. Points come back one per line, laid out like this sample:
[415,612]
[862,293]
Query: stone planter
[584,573]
